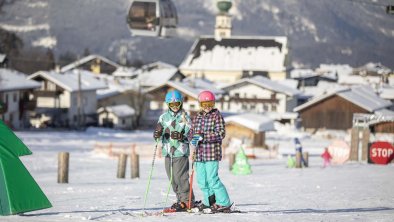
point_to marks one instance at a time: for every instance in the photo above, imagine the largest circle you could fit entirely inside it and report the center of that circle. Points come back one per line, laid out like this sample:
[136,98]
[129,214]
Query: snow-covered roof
[265,83]
[253,121]
[2,57]
[116,87]
[301,73]
[376,68]
[237,54]
[281,116]
[340,69]
[125,72]
[362,96]
[118,110]
[69,80]
[322,88]
[191,87]
[387,92]
[85,60]
[155,74]
[13,80]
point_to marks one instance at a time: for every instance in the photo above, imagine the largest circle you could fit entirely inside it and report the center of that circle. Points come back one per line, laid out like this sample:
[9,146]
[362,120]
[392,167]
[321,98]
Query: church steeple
[223,19]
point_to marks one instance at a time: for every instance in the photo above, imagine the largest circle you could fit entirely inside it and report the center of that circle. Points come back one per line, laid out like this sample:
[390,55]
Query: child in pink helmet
[206,135]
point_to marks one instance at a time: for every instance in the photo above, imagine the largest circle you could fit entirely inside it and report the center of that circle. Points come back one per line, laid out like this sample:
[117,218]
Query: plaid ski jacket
[212,127]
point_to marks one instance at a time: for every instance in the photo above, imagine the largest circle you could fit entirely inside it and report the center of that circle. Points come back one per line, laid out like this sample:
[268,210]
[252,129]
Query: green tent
[19,192]
[241,165]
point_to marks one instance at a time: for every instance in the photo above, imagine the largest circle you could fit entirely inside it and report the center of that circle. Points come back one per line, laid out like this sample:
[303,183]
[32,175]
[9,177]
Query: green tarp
[19,192]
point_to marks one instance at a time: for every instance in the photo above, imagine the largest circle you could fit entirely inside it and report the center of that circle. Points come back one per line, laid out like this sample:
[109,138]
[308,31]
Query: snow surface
[350,192]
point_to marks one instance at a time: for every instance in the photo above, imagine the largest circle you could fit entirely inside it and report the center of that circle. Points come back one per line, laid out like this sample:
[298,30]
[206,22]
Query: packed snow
[350,192]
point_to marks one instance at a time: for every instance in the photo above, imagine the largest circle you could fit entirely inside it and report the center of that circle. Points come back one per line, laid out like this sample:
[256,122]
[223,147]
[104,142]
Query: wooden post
[110,149]
[298,160]
[231,160]
[62,172]
[364,147]
[135,165]
[122,166]
[354,140]
[305,155]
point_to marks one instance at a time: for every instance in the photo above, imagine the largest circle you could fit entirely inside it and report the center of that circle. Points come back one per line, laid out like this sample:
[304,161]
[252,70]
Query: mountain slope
[320,31]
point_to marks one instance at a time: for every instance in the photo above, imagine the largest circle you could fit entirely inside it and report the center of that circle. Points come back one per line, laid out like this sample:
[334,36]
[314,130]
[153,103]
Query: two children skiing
[205,133]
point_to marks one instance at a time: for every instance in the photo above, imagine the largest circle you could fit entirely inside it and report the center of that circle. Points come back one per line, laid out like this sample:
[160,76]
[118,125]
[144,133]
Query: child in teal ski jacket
[172,129]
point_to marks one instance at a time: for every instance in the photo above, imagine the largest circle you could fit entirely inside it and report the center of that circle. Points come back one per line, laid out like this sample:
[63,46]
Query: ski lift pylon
[152,18]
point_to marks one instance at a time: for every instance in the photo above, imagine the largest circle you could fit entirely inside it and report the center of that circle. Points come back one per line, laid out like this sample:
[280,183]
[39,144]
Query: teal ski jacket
[170,122]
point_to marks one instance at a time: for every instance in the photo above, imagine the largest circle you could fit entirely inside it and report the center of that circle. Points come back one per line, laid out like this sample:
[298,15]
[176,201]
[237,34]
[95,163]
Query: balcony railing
[45,93]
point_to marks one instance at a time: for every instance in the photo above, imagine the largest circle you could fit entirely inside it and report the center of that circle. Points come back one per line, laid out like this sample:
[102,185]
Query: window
[15,97]
[273,107]
[123,121]
[265,107]
[236,95]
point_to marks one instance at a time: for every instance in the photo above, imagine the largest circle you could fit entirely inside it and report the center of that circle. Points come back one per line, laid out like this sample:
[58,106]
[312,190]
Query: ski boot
[176,207]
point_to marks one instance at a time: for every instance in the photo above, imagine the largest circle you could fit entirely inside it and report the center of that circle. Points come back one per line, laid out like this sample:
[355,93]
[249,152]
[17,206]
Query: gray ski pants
[180,177]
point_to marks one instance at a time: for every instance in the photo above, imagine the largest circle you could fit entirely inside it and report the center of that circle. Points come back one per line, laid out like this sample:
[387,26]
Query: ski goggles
[207,104]
[174,104]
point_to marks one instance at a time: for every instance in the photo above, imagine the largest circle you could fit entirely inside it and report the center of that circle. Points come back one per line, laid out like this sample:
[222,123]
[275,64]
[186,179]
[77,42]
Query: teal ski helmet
[174,96]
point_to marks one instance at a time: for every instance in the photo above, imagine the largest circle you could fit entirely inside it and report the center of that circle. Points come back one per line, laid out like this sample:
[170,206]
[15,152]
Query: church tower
[223,20]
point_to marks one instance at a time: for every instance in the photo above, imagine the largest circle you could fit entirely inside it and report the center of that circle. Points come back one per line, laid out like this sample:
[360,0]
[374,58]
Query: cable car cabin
[152,18]
[390,9]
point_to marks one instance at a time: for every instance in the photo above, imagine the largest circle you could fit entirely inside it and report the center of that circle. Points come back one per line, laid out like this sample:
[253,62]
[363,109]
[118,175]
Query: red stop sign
[381,152]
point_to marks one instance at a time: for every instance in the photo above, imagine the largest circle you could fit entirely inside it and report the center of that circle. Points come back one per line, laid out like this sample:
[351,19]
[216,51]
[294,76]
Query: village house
[117,117]
[381,121]
[308,77]
[335,110]
[67,99]
[373,69]
[93,63]
[232,58]
[157,73]
[225,58]
[123,92]
[16,98]
[249,128]
[258,95]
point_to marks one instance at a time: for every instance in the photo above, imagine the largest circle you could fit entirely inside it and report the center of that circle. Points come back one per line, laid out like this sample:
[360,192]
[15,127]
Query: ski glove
[195,139]
[158,132]
[176,135]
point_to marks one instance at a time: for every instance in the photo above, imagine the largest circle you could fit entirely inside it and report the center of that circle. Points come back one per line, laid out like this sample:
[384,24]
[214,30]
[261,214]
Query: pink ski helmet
[205,96]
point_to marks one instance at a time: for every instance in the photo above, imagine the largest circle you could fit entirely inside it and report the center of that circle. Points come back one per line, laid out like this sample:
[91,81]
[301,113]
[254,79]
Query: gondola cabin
[152,18]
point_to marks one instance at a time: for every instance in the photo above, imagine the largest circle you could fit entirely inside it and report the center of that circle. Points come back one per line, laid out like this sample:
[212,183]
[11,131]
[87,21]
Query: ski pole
[170,183]
[191,181]
[150,174]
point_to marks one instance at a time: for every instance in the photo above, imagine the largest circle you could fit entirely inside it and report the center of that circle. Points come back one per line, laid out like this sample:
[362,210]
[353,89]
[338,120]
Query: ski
[230,209]
[142,214]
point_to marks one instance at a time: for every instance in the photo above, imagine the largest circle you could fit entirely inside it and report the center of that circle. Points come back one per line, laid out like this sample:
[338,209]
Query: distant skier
[298,148]
[326,157]
[206,135]
[172,129]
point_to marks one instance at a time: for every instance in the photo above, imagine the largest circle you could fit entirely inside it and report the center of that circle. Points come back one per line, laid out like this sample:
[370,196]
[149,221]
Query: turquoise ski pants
[209,182]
